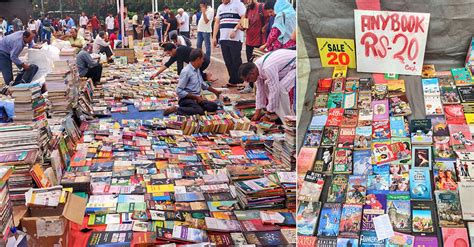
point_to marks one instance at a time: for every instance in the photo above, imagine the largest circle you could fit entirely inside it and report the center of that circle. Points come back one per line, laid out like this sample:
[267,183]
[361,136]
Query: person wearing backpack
[47,29]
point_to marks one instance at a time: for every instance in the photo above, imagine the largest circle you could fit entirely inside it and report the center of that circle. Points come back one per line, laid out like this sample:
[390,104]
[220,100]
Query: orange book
[306,159]
[40,178]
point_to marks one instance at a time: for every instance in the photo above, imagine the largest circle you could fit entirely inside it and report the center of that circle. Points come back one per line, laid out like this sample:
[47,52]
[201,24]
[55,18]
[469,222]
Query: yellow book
[160,188]
[339,71]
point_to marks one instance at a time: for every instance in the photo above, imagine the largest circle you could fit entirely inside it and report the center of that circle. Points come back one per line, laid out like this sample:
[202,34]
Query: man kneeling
[189,89]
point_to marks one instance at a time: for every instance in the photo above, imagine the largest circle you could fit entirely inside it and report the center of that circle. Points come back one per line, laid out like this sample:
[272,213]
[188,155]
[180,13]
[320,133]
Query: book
[369,238]
[461,136]
[350,100]
[398,127]
[430,86]
[428,241]
[340,71]
[337,190]
[220,225]
[465,193]
[306,159]
[455,236]
[444,174]
[433,105]
[396,88]
[320,100]
[352,84]
[399,211]
[381,130]
[420,183]
[380,110]
[363,137]
[335,117]
[464,169]
[307,217]
[346,138]
[400,239]
[449,209]
[454,114]
[310,189]
[324,85]
[378,183]
[379,91]
[342,161]
[347,242]
[428,71]
[265,238]
[375,205]
[466,93]
[350,118]
[104,238]
[421,156]
[362,162]
[307,241]
[356,190]
[329,220]
[399,105]
[324,160]
[365,85]
[351,217]
[189,234]
[421,131]
[461,76]
[400,183]
[330,136]
[335,100]
[313,137]
[449,95]
[423,214]
[440,127]
[382,152]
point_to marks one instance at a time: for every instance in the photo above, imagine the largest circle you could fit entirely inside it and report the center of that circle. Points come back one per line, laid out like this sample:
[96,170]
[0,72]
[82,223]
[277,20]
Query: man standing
[204,27]
[228,17]
[135,26]
[166,17]
[189,89]
[83,20]
[69,23]
[10,48]
[274,75]
[146,24]
[47,29]
[110,23]
[87,67]
[95,25]
[183,23]
[3,26]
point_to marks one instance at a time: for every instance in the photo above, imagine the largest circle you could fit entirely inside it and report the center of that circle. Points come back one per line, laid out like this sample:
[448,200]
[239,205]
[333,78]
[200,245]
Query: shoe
[247,89]
[170,110]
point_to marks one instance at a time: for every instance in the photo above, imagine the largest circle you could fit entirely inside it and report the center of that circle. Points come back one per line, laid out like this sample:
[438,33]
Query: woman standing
[283,27]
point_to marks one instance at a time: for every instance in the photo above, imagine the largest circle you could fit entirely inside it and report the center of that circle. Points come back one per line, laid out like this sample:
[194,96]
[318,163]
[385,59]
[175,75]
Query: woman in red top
[95,25]
[282,32]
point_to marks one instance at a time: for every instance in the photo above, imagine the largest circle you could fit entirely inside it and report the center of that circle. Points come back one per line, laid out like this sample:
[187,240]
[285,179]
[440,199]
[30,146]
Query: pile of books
[362,159]
[6,207]
[219,123]
[58,93]
[289,148]
[30,104]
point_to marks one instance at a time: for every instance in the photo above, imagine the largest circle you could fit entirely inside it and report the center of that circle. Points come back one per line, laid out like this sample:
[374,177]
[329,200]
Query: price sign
[336,52]
[390,42]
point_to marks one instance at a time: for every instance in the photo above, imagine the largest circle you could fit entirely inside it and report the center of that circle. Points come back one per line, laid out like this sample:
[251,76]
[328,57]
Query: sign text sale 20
[393,38]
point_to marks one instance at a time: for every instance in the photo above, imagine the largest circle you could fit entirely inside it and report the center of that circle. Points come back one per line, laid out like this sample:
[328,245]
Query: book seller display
[369,174]
[106,177]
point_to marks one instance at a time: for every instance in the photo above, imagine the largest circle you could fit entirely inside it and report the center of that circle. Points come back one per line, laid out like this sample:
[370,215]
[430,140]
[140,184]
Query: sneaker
[247,89]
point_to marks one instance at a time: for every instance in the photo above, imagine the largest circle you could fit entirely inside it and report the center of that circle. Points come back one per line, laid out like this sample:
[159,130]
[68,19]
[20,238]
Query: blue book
[420,184]
[369,239]
[329,220]
[381,169]
[362,162]
[398,127]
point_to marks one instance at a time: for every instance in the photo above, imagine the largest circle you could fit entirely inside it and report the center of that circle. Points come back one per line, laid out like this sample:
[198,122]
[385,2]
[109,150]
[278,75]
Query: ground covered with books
[106,166]
[370,174]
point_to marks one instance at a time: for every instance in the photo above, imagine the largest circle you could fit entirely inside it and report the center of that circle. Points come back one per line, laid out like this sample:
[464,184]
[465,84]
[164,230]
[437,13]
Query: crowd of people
[268,27]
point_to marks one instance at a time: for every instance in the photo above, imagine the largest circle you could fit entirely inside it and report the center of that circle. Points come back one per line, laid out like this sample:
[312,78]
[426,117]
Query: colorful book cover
[350,221]
[465,197]
[426,241]
[320,100]
[399,211]
[381,169]
[369,239]
[461,137]
[430,86]
[449,209]
[421,131]
[454,114]
[381,130]
[330,136]
[346,138]
[396,88]
[354,242]
[428,71]
[433,105]
[356,189]
[307,241]
[365,85]
[363,137]
[324,159]
[362,160]
[364,101]
[421,156]
[378,183]
[329,220]
[455,236]
[466,93]
[379,91]
[375,205]
[340,71]
[465,169]
[350,100]
[420,184]
[352,84]
[342,161]
[399,127]
[400,183]
[399,105]
[307,217]
[440,127]
[445,78]
[461,76]
[335,100]
[442,148]
[324,85]
[350,118]
[306,159]
[382,152]
[310,189]
[449,95]
[326,241]
[400,239]
[337,190]
[335,116]
[401,150]
[319,119]
[313,137]
[444,174]
[380,109]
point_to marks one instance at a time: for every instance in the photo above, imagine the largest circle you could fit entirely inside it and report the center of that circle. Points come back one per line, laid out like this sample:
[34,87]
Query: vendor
[189,89]
[274,75]
[101,45]
[77,41]
[10,48]
[180,54]
[87,66]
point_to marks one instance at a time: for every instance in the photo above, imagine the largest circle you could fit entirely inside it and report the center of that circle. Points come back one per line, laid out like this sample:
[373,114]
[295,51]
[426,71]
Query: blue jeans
[46,35]
[158,34]
[206,37]
[7,71]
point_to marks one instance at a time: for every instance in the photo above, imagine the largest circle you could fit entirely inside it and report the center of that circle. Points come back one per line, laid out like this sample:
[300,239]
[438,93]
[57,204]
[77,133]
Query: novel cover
[329,220]
[350,221]
[449,209]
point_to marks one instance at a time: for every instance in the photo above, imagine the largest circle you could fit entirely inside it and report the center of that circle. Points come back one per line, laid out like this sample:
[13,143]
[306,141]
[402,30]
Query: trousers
[189,107]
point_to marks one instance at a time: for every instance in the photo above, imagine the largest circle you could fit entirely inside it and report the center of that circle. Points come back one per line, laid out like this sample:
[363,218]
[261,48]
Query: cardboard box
[128,52]
[49,226]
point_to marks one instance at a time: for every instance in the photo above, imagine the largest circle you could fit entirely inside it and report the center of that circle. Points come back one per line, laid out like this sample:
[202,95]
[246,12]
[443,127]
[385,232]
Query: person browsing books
[189,89]
[87,66]
[275,78]
[181,55]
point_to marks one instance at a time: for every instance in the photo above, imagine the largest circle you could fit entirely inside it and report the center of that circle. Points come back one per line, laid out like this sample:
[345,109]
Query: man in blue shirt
[189,89]
[146,23]
[10,48]
[69,23]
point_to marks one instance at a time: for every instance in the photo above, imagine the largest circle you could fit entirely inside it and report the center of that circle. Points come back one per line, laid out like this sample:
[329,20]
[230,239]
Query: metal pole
[61,8]
[153,6]
[213,4]
[122,8]
[42,7]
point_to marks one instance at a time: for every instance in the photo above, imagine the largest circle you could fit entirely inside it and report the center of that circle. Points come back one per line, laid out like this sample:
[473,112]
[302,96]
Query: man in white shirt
[3,26]
[135,26]
[110,23]
[204,27]
[83,20]
[101,45]
[183,23]
[228,17]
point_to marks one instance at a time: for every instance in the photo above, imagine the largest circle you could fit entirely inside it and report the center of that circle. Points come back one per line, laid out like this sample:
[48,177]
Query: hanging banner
[390,42]
[334,52]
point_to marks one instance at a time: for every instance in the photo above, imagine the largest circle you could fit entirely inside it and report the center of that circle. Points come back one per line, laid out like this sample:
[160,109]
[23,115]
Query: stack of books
[6,207]
[30,104]
[260,193]
[219,123]
[288,154]
[58,93]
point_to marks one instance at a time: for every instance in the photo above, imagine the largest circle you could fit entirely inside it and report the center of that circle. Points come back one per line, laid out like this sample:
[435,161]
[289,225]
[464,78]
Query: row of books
[6,207]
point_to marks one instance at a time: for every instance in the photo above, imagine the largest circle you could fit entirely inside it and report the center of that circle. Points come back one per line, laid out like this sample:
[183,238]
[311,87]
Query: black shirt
[182,56]
[173,24]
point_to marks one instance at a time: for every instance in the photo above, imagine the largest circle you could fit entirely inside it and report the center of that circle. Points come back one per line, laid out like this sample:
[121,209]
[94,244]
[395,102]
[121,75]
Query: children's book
[350,118]
[430,87]
[461,76]
[356,189]
[380,109]
[396,88]
[338,188]
[329,220]
[320,100]
[378,183]
[335,117]
[455,236]
[351,218]
[399,211]
[381,130]
[444,174]
[313,137]
[399,127]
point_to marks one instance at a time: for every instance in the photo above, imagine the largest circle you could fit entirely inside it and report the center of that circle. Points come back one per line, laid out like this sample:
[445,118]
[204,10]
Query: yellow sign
[336,52]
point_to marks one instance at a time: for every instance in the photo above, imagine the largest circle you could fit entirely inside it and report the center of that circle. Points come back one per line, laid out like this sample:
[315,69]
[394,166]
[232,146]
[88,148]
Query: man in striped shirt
[274,75]
[227,21]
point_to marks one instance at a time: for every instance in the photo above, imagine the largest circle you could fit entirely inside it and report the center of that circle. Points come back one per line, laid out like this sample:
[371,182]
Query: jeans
[135,33]
[46,35]
[147,30]
[232,58]
[206,37]
[95,73]
[6,67]
[110,31]
[185,34]
[158,34]
[189,107]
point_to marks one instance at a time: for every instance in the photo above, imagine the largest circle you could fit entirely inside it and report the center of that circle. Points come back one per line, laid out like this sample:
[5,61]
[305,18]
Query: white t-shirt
[83,20]
[229,16]
[202,25]
[135,20]
[32,26]
[110,22]
[184,25]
